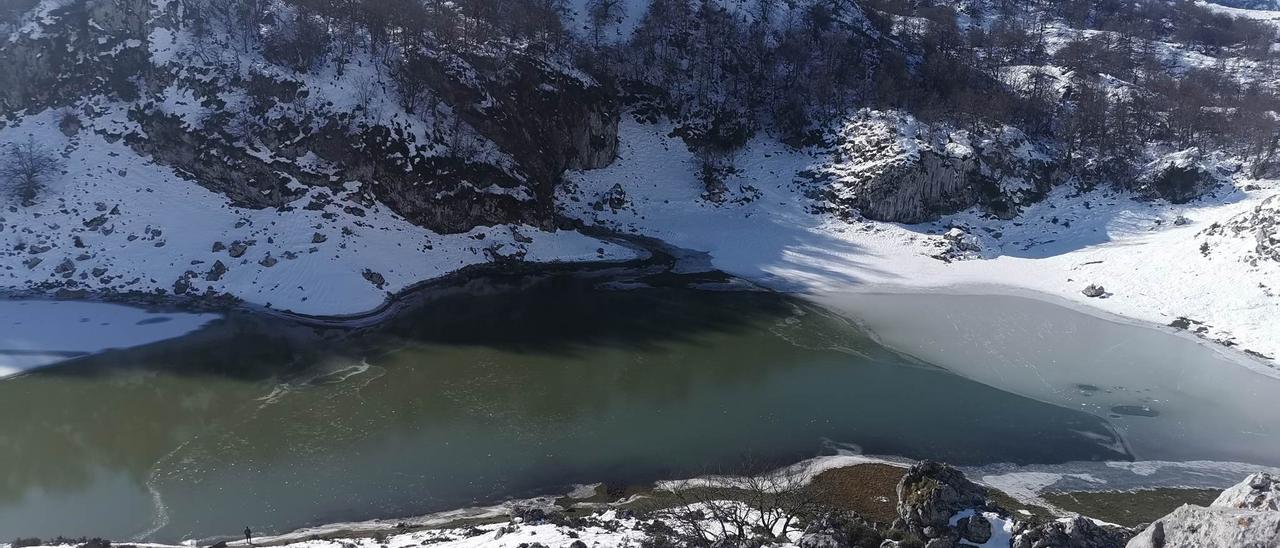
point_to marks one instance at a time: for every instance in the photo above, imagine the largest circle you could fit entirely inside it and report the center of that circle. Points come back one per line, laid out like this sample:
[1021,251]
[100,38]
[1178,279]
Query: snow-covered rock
[1259,491]
[1246,515]
[1076,532]
[1261,224]
[1180,177]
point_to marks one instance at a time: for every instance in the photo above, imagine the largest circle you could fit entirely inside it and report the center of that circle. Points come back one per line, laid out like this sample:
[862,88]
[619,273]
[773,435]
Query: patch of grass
[1130,508]
[870,490]
[1016,506]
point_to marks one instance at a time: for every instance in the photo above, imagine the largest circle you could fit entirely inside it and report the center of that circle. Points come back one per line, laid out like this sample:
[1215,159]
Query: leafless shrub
[27,169]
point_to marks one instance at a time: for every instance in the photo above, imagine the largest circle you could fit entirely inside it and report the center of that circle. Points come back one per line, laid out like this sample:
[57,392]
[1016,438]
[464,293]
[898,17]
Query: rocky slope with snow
[315,159]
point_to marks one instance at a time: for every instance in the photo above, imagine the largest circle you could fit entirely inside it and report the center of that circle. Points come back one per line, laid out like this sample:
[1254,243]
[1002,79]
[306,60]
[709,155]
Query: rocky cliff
[889,166]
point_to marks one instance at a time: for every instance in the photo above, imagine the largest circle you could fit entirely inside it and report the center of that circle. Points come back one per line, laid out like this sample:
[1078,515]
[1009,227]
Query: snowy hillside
[122,223]
[1158,262]
[316,157]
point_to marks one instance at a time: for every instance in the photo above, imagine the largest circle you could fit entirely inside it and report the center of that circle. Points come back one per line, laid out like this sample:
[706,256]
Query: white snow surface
[165,226]
[33,333]
[1001,528]
[1152,269]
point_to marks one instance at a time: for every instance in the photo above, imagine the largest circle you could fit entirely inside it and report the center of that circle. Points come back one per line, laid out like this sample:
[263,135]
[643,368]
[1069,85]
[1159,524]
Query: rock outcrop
[1257,492]
[1260,224]
[45,69]
[891,167]
[930,494]
[1179,177]
[1247,515]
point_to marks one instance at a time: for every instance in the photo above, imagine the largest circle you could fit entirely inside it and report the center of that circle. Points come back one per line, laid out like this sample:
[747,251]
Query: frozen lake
[516,386]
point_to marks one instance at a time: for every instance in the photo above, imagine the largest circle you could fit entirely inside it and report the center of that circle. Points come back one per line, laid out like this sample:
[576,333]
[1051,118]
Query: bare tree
[739,508]
[27,168]
[600,14]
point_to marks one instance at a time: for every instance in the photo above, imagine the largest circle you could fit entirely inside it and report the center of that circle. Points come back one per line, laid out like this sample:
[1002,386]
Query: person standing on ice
[248,536]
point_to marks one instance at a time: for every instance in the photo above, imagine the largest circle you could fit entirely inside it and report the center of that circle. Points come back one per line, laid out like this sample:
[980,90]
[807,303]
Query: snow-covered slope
[1146,254]
[116,221]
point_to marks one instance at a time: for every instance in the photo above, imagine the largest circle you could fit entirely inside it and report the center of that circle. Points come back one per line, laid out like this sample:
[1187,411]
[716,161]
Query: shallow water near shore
[520,385]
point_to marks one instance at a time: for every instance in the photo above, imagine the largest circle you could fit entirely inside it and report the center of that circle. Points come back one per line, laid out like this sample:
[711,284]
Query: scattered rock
[1077,532]
[1260,224]
[96,222]
[615,199]
[268,261]
[374,278]
[237,249]
[218,246]
[1094,291]
[318,238]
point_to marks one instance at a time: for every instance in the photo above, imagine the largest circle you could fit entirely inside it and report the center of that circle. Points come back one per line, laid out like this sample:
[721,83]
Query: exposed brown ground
[870,490]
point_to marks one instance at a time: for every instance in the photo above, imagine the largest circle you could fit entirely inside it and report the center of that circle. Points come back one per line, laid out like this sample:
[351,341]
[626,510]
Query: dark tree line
[1098,76]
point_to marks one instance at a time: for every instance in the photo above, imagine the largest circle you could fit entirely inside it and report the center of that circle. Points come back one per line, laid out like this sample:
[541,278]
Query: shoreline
[1027,497]
[649,253]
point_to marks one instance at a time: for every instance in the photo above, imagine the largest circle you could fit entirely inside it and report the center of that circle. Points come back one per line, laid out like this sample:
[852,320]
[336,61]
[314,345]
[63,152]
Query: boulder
[215,272]
[1094,291]
[237,249]
[821,540]
[1179,177]
[975,529]
[183,284]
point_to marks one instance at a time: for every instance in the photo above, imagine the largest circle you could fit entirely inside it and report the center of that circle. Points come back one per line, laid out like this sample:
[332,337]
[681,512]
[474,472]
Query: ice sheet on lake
[39,333]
